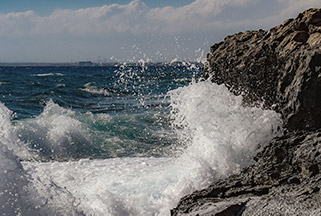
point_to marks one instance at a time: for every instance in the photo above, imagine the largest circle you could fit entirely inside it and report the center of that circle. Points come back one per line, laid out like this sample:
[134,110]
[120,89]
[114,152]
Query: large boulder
[279,68]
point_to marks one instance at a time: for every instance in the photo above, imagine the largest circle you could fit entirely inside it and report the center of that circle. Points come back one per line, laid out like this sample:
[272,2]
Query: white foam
[12,174]
[219,137]
[120,186]
[20,194]
[11,181]
[7,135]
[60,85]
[95,90]
[173,61]
[48,74]
[54,132]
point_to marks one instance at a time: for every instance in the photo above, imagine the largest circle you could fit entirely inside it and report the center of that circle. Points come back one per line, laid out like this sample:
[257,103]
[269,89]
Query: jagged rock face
[285,180]
[279,68]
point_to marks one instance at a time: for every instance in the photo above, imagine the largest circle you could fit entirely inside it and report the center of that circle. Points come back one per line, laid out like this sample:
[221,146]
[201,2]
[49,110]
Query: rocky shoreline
[278,69]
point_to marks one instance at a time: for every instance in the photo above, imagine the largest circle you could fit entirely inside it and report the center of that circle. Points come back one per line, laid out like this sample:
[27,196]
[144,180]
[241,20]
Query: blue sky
[47,6]
[130,30]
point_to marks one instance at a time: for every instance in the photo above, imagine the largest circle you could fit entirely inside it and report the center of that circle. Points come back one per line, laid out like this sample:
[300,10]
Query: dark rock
[279,69]
[314,169]
[301,36]
[294,180]
[298,178]
[302,26]
[233,210]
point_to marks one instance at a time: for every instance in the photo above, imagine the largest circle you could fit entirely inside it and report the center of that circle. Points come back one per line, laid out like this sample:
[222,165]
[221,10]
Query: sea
[121,139]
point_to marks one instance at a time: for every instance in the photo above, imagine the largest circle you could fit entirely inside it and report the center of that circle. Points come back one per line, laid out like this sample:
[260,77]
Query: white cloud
[84,31]
[296,6]
[134,17]
[203,9]
[192,17]
[13,24]
[96,20]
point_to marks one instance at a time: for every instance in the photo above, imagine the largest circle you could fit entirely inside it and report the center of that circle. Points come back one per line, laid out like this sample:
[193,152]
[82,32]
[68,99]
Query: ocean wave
[57,133]
[4,83]
[95,90]
[61,134]
[48,74]
[185,79]
[8,137]
[60,85]
[219,137]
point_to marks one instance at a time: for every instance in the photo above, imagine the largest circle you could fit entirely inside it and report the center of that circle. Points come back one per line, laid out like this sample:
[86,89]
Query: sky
[130,30]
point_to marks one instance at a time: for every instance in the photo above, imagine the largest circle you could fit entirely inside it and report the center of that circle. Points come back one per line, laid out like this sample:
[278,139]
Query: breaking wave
[69,162]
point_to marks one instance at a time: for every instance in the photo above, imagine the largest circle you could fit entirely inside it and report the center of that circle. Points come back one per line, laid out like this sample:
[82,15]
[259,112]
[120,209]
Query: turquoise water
[122,110]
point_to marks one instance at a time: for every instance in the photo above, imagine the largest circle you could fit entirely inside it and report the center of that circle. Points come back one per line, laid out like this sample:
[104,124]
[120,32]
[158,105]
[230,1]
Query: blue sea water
[124,139]
[133,98]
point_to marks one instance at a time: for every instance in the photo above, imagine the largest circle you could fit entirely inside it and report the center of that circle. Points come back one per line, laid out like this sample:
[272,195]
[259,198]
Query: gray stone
[278,69]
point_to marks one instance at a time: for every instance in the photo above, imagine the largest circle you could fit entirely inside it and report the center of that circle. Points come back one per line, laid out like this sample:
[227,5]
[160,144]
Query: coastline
[279,69]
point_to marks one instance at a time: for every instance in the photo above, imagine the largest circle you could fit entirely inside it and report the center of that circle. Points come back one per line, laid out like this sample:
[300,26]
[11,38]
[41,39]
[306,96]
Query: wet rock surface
[278,69]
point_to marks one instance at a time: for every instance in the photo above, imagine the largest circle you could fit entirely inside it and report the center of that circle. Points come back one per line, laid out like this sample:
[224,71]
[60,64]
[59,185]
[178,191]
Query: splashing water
[132,162]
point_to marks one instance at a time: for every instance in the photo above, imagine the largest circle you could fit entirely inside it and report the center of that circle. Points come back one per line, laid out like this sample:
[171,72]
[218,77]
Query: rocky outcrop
[286,173]
[278,69]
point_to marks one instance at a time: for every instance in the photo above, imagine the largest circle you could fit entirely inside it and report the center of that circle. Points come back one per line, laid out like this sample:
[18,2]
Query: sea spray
[221,135]
[8,137]
[223,138]
[12,180]
[136,164]
[55,133]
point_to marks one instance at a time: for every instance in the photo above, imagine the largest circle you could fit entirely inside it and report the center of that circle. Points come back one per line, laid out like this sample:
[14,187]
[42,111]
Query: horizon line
[90,63]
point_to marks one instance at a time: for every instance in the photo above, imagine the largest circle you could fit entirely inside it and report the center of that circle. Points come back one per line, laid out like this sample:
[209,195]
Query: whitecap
[60,85]
[95,90]
[48,74]
[54,133]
